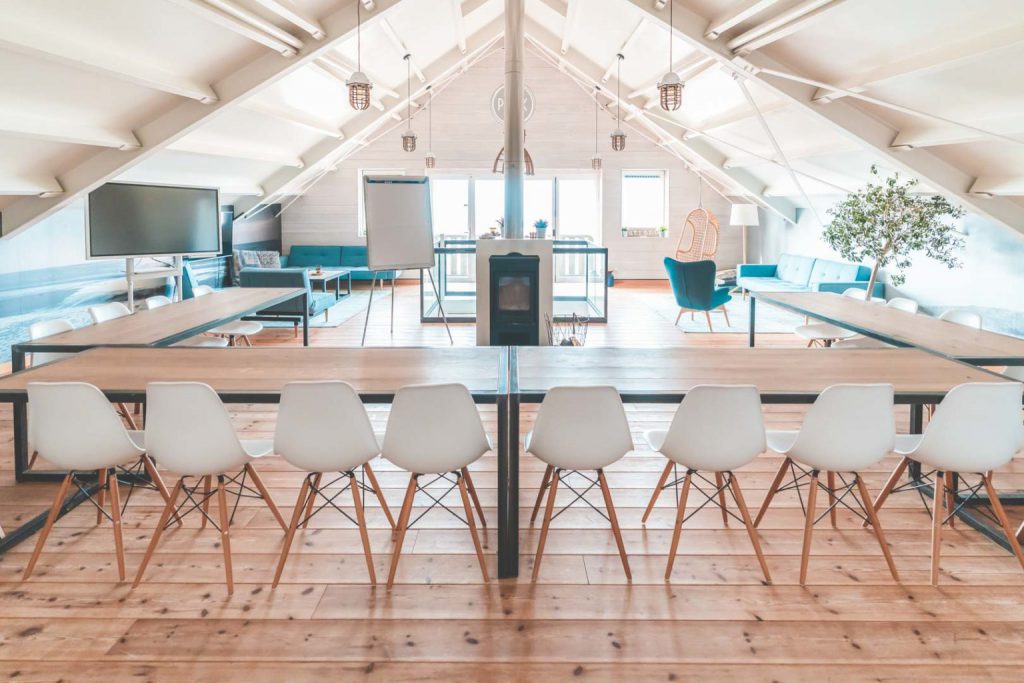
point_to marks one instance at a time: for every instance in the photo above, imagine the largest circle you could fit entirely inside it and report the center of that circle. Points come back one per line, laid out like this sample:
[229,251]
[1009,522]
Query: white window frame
[361,210]
[665,200]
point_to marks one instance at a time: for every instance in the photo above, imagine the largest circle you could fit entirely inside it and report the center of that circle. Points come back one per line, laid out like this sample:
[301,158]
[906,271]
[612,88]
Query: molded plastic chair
[160,301]
[112,310]
[715,429]
[323,427]
[850,427]
[189,431]
[239,330]
[976,429]
[74,427]
[827,333]
[579,428]
[861,342]
[47,328]
[693,285]
[962,317]
[435,429]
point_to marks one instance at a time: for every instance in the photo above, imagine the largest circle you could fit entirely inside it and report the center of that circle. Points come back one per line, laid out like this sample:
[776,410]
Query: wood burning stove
[515,300]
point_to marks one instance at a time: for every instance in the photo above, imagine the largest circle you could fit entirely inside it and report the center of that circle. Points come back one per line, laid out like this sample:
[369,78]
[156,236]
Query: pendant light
[408,137]
[430,160]
[595,162]
[618,137]
[359,85]
[670,88]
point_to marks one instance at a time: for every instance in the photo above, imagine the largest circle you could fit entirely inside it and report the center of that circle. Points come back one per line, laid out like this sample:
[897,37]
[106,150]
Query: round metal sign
[498,103]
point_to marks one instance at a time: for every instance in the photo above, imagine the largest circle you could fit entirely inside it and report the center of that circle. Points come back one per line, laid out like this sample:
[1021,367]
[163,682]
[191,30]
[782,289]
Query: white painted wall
[559,136]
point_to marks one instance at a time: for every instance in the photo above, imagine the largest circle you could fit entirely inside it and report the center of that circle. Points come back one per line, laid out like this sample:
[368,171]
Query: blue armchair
[693,285]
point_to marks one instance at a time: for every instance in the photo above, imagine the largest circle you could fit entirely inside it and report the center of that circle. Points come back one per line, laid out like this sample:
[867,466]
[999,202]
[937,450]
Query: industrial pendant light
[618,137]
[595,162]
[359,85]
[670,88]
[430,160]
[408,137]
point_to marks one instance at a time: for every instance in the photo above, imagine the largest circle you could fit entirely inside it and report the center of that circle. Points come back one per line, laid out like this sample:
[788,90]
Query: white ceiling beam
[572,20]
[470,6]
[72,132]
[938,135]
[237,151]
[734,116]
[185,117]
[781,25]
[852,123]
[34,186]
[238,26]
[459,23]
[32,40]
[934,58]
[256,21]
[294,16]
[295,117]
[630,39]
[735,16]
[389,31]
[998,186]
[803,152]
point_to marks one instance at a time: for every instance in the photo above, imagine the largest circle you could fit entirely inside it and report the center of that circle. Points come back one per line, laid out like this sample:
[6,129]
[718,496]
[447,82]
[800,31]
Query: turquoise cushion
[312,255]
[768,284]
[353,256]
[795,269]
[833,271]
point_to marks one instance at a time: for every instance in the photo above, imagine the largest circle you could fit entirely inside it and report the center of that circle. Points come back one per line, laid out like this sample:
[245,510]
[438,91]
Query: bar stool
[202,342]
[102,313]
[74,427]
[323,427]
[898,303]
[976,429]
[715,429]
[579,429]
[189,431]
[849,427]
[827,333]
[239,330]
[435,430]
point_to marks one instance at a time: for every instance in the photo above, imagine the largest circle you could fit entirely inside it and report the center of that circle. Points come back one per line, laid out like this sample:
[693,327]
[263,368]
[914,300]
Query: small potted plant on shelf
[625,231]
[542,228]
[663,231]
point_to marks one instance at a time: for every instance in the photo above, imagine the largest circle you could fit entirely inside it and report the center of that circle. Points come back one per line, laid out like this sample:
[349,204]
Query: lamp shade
[743,214]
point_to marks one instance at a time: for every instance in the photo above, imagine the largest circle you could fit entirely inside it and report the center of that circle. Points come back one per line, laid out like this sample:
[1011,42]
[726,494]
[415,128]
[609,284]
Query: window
[579,208]
[644,199]
[538,198]
[489,203]
[359,192]
[450,202]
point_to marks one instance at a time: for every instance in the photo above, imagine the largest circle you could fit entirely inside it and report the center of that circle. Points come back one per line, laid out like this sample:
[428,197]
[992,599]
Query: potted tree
[888,223]
[542,228]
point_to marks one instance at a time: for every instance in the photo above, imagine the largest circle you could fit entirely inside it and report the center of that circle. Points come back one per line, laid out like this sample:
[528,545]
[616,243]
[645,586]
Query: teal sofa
[351,258]
[795,273]
[319,302]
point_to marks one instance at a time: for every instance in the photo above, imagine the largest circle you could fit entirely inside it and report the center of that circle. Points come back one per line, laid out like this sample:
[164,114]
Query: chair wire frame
[926,481]
[200,501]
[438,501]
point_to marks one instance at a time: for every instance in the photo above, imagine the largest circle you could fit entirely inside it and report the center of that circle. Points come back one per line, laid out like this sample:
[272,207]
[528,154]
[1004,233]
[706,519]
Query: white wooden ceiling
[249,94]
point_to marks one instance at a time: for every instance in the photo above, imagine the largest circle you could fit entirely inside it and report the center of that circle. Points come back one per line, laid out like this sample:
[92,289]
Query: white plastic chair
[861,342]
[112,310]
[47,328]
[189,431]
[74,427]
[850,427]
[202,342]
[962,317]
[715,429]
[976,429]
[579,429]
[827,333]
[323,427]
[435,429]
[239,330]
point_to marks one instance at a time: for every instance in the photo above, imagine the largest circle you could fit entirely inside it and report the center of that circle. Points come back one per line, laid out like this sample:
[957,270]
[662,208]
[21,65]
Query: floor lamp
[745,216]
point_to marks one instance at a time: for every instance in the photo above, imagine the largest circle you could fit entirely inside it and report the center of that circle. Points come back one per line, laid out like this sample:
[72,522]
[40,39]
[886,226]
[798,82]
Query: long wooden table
[899,328]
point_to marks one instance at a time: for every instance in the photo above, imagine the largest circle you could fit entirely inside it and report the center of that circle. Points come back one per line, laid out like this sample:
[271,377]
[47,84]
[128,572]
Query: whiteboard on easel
[399,224]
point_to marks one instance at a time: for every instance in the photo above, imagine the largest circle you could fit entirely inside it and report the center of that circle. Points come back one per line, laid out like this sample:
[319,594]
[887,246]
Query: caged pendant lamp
[595,161]
[618,137]
[430,161]
[408,137]
[670,89]
[359,85]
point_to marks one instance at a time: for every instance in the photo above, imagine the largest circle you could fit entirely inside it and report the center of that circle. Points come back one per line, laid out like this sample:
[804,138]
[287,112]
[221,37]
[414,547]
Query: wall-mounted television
[125,220]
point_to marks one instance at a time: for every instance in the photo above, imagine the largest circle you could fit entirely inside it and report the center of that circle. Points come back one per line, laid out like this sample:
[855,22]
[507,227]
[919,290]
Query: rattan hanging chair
[699,239]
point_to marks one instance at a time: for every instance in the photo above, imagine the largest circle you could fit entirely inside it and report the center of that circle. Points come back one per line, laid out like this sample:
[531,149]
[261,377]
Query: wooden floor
[716,619]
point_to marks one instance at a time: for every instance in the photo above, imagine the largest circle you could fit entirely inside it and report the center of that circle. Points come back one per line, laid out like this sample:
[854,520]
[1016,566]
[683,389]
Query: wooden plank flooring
[716,620]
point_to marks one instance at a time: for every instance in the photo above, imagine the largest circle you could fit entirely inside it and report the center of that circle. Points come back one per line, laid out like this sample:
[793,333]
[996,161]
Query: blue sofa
[352,258]
[805,274]
[319,302]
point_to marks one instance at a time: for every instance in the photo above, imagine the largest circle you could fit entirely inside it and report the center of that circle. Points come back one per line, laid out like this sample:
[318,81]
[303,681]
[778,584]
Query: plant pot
[542,233]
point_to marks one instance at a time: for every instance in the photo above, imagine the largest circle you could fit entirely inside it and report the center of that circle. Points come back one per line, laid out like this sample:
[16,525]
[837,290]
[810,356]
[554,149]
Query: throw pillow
[269,259]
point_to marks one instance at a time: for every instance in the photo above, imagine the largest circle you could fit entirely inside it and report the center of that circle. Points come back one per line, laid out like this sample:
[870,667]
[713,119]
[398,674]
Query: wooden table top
[262,372]
[921,331]
[780,374]
[188,318]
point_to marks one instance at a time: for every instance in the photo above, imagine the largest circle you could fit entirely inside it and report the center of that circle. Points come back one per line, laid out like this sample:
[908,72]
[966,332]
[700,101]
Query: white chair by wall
[898,303]
[715,429]
[203,342]
[75,428]
[234,332]
[962,317]
[850,427]
[435,430]
[189,431]
[579,429]
[976,429]
[826,333]
[102,313]
[322,427]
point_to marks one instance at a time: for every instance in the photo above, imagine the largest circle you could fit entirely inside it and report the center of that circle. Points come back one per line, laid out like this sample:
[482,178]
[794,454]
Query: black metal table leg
[751,324]
[305,319]
[508,486]
[337,288]
[916,427]
[20,409]
[348,291]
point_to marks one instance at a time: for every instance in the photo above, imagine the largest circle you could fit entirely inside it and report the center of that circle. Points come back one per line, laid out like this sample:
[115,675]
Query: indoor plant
[663,231]
[542,228]
[887,222]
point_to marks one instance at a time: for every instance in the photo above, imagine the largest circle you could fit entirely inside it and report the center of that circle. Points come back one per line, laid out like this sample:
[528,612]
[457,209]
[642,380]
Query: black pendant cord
[359,37]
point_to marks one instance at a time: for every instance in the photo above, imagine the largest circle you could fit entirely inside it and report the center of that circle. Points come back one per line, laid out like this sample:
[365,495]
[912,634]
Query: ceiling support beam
[294,16]
[295,117]
[233,151]
[33,186]
[389,31]
[459,23]
[998,186]
[736,16]
[803,152]
[781,25]
[238,26]
[937,135]
[734,116]
[184,118]
[572,20]
[35,128]
[256,21]
[630,39]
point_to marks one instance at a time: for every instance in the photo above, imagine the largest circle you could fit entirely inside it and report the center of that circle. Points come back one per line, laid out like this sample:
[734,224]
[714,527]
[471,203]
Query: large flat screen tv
[126,220]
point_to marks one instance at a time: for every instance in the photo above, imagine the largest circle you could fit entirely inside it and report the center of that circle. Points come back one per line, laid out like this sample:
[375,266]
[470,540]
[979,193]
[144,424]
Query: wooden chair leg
[726,314]
[865,498]
[463,486]
[101,479]
[472,494]
[950,496]
[207,487]
[262,488]
[314,487]
[737,494]
[833,514]
[657,491]
[300,505]
[678,527]
[938,499]
[225,534]
[364,535]
[379,493]
[32,459]
[158,532]
[115,514]
[615,523]
[720,484]
[548,510]
[158,481]
[127,415]
[680,315]
[58,502]
[707,314]
[403,523]
[997,507]
[540,493]
[812,494]
[890,484]
[776,482]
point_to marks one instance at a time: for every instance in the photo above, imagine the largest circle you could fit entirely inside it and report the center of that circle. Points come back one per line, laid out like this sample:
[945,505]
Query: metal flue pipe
[515,49]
